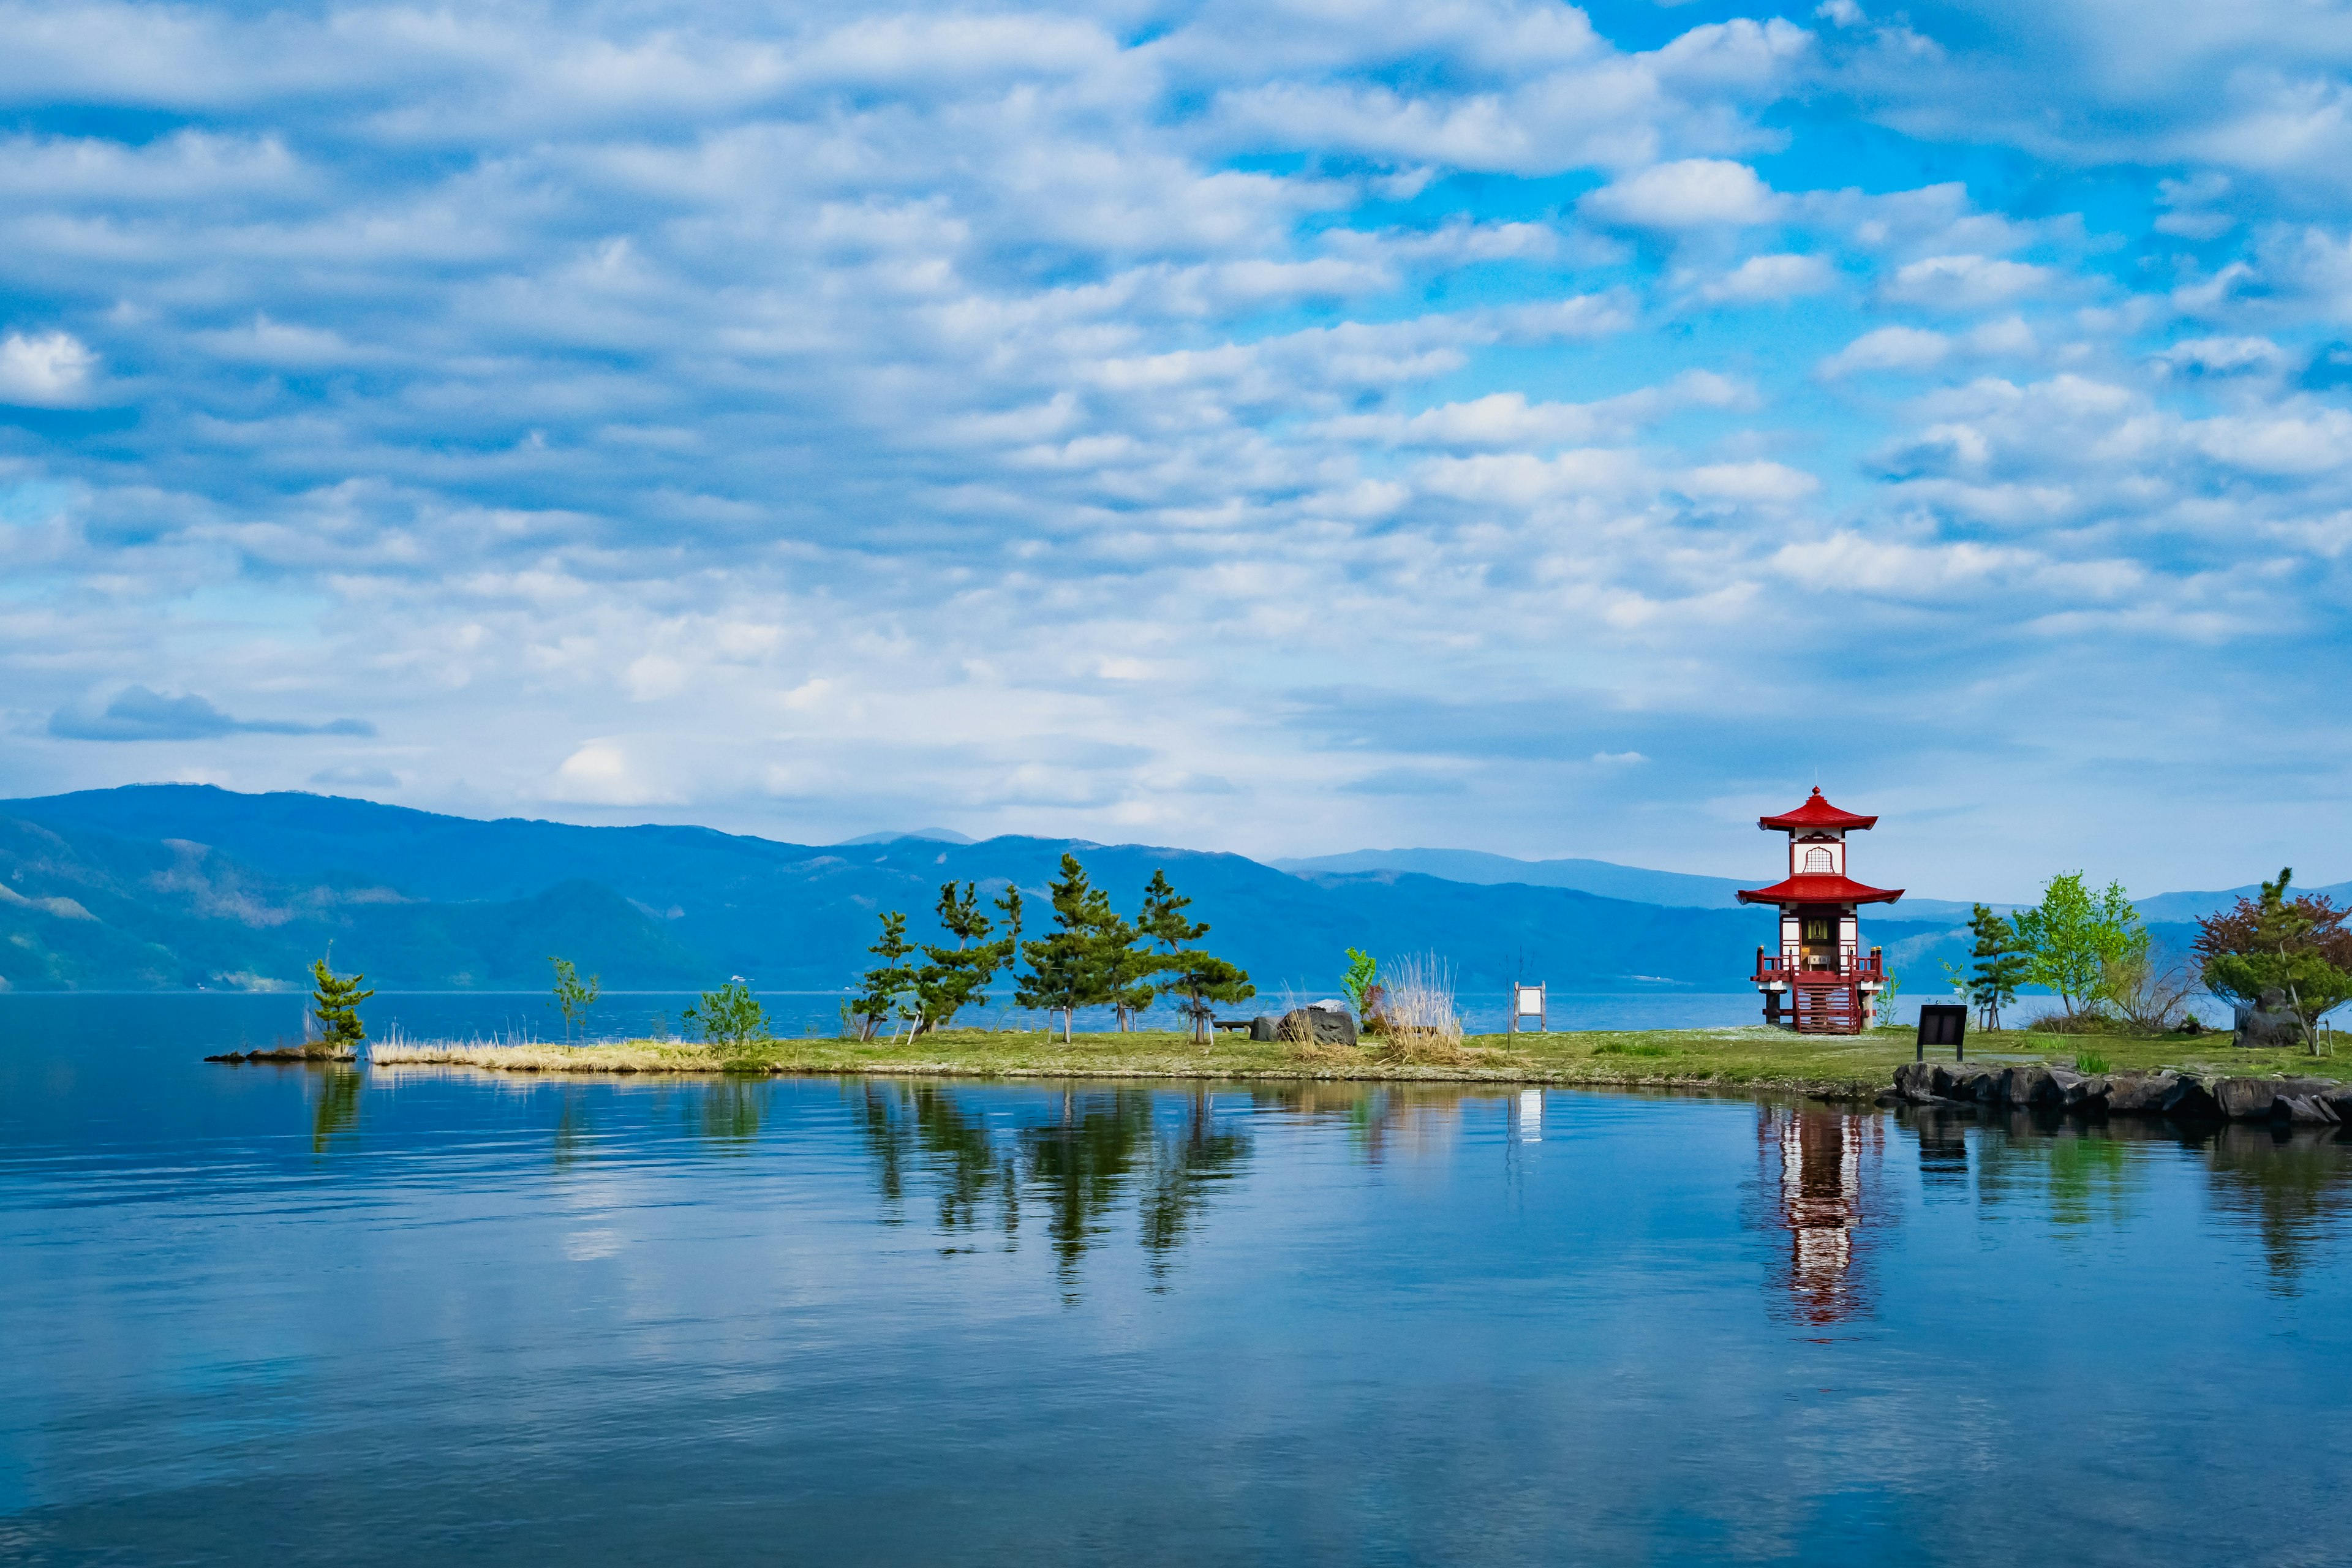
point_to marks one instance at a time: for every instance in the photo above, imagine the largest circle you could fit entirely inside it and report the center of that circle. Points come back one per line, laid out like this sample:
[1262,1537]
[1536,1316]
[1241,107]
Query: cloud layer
[1243,426]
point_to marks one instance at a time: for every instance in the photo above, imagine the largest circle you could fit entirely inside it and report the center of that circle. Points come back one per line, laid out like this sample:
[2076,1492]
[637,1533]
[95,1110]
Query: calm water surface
[299,1314]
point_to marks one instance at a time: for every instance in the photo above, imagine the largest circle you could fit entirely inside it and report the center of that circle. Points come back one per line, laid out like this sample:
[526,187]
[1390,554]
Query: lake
[297,1313]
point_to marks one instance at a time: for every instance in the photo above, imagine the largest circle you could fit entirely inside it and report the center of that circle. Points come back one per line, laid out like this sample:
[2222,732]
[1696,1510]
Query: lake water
[276,1314]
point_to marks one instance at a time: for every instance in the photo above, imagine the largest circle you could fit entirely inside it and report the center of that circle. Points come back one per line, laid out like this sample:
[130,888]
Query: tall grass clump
[1423,1023]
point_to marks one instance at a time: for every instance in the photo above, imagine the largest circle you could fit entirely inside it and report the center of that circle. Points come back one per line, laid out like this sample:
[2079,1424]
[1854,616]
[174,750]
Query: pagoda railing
[1795,964]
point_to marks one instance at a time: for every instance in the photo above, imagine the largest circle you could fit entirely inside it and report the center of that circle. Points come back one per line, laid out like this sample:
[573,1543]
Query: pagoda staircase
[1834,1009]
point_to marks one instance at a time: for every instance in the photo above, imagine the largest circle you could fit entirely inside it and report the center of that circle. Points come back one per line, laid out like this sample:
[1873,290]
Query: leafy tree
[2297,946]
[2000,966]
[729,1016]
[335,1003]
[952,979]
[1363,974]
[1073,967]
[2069,938]
[573,995]
[887,981]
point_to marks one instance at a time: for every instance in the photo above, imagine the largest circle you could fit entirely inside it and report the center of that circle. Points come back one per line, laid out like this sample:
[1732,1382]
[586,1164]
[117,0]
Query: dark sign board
[1943,1024]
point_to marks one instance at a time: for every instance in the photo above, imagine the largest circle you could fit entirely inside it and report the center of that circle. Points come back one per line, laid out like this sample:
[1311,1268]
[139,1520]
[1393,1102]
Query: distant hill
[1602,877]
[169,886]
[165,886]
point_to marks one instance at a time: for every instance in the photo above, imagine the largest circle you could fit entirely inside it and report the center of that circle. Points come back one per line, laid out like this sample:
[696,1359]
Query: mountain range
[185,886]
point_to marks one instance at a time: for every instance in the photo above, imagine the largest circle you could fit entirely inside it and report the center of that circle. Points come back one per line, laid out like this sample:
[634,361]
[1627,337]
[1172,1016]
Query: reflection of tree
[730,1112]
[1079,1162]
[903,1122]
[572,1129]
[2088,1169]
[338,1110]
[1823,1170]
[2285,1181]
[1413,1116]
[1088,1156]
[1184,1169]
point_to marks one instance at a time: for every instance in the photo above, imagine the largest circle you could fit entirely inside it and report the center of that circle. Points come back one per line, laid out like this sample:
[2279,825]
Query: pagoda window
[1818,860]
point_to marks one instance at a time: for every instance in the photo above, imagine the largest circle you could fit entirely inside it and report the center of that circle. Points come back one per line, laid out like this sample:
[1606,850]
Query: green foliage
[1075,965]
[335,1004]
[2091,1061]
[1889,989]
[572,994]
[2072,934]
[729,1016]
[2000,966]
[952,977]
[1202,981]
[2296,946]
[882,987]
[1363,972]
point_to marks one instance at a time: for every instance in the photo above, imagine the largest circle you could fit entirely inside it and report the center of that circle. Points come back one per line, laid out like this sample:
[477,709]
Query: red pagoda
[1820,974]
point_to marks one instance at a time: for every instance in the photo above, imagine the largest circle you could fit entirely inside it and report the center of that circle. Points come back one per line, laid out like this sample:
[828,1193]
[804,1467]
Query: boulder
[2304,1108]
[2269,1023]
[2027,1085]
[2340,1101]
[1961,1080]
[1323,1025]
[1916,1081]
[2067,1087]
[1262,1027]
[2138,1093]
[2190,1099]
[2258,1098]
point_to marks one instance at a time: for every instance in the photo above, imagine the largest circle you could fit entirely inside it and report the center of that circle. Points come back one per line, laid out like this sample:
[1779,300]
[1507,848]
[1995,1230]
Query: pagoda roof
[1820,888]
[1817,812]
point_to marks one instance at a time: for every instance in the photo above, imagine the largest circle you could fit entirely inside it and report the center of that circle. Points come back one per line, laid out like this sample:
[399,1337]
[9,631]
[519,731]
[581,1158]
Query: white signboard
[1531,1001]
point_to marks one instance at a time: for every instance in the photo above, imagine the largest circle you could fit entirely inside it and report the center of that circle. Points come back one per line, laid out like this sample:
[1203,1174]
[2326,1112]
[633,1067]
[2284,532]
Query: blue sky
[1283,428]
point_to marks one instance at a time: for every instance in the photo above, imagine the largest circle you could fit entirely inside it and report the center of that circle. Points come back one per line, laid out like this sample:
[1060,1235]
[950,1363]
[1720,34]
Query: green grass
[1730,1059]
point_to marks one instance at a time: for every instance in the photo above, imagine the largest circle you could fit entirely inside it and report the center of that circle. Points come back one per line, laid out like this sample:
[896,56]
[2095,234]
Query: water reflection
[1822,1168]
[337,1113]
[728,1111]
[2288,1183]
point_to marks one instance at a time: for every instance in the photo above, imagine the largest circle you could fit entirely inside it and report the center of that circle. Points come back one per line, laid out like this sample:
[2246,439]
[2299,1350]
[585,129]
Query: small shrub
[2084,1023]
[1419,1006]
[729,1016]
[2091,1061]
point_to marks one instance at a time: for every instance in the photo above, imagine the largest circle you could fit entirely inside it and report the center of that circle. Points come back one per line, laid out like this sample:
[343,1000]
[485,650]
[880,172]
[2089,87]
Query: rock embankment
[2165,1092]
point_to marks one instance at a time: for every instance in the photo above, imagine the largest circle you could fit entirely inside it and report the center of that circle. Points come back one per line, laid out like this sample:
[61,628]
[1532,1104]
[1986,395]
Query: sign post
[1943,1024]
[1530,1001]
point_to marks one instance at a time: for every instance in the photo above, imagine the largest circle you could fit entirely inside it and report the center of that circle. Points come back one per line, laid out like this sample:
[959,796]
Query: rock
[2027,1085]
[1262,1027]
[2269,1023]
[2138,1093]
[2340,1101]
[1916,1081]
[2257,1099]
[1323,1025]
[1961,1080]
[2067,1087]
[2190,1099]
[2306,1108]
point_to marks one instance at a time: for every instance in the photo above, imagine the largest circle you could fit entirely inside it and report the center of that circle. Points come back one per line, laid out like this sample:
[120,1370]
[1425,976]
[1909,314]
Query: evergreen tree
[1073,966]
[335,1004]
[1134,966]
[2000,967]
[952,978]
[886,983]
[1202,980]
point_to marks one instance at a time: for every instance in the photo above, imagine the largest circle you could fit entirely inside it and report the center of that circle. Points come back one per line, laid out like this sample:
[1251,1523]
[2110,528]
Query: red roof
[1819,888]
[1816,813]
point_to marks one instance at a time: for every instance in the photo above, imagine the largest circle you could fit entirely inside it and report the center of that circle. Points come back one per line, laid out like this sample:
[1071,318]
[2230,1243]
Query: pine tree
[1073,967]
[952,978]
[886,983]
[1999,967]
[1134,964]
[335,1003]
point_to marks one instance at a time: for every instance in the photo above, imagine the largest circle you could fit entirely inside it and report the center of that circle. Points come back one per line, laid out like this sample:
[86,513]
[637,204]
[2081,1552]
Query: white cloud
[1888,348]
[1691,194]
[1966,282]
[1762,279]
[47,370]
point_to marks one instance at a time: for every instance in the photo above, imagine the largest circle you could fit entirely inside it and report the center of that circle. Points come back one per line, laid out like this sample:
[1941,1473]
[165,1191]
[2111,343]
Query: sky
[1276,427]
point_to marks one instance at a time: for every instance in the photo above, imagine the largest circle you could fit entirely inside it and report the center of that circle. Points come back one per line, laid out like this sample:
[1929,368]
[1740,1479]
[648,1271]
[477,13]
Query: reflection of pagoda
[1819,969]
[1825,1161]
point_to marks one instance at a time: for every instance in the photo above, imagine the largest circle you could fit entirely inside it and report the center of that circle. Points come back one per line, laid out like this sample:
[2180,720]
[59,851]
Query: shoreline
[1731,1060]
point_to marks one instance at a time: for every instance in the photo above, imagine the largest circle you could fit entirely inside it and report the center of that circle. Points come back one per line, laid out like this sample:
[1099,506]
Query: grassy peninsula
[1735,1059]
